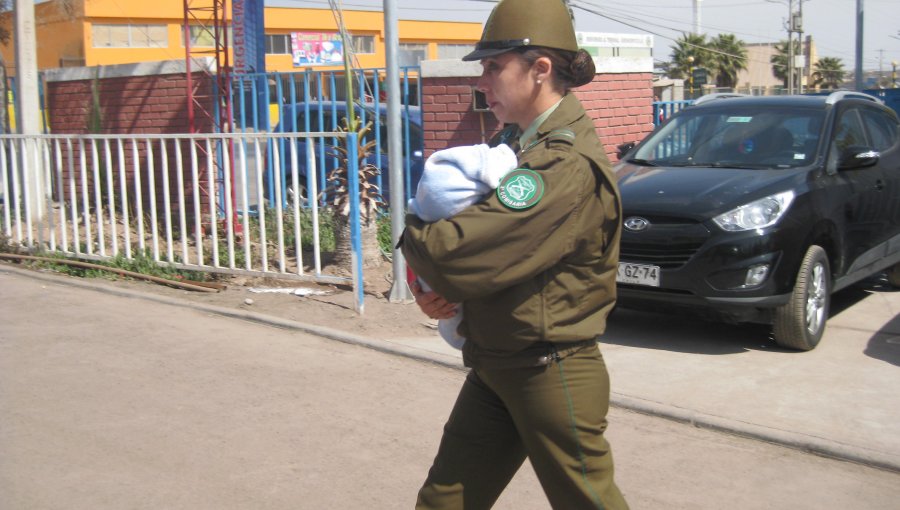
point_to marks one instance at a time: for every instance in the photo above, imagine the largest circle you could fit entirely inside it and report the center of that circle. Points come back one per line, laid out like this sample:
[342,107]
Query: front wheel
[800,323]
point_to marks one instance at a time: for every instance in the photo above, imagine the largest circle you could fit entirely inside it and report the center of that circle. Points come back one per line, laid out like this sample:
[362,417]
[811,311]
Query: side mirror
[624,148]
[857,156]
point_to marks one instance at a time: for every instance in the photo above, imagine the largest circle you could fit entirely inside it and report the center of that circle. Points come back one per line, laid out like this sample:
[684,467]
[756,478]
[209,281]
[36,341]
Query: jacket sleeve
[488,247]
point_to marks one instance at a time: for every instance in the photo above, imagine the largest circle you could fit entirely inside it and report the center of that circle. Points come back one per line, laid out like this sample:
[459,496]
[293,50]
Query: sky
[831,23]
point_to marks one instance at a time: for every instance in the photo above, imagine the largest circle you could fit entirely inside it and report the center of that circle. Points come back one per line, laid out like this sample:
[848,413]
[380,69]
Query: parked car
[757,209]
[326,116]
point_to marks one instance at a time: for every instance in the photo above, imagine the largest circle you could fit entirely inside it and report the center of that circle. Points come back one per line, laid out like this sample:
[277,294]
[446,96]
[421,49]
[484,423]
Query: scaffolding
[206,34]
[205,21]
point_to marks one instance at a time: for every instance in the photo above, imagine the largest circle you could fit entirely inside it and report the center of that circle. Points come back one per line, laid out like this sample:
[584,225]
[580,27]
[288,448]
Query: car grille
[670,256]
[668,244]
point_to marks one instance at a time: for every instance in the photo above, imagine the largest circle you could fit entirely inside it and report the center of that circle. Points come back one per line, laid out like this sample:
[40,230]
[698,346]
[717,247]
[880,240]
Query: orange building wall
[58,33]
[60,37]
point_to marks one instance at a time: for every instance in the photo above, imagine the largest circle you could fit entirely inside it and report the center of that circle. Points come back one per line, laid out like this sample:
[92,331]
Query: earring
[538,82]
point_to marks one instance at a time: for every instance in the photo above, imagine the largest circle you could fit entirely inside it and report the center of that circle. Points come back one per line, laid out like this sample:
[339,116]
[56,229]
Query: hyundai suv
[756,209]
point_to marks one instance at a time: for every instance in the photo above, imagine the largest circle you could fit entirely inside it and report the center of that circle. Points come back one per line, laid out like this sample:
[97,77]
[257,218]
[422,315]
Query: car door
[883,129]
[865,205]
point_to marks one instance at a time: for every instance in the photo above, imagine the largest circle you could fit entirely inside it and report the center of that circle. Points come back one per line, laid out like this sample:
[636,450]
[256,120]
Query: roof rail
[717,95]
[836,96]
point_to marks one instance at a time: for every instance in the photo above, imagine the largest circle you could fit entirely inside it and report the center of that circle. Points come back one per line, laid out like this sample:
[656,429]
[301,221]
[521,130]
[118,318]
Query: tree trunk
[371,251]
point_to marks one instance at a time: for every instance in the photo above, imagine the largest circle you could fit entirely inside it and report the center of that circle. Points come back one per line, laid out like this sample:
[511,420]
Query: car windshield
[752,137]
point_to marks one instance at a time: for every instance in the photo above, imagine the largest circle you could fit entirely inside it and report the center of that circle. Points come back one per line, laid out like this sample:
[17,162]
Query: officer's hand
[432,304]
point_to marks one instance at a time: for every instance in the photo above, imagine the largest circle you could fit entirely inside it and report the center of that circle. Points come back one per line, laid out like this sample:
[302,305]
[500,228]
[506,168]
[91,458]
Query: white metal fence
[194,202]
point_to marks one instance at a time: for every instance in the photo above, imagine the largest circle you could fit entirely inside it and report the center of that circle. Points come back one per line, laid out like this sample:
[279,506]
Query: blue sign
[248,30]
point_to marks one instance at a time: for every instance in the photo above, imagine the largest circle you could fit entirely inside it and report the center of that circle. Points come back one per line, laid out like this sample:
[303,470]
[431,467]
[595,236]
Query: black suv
[756,209]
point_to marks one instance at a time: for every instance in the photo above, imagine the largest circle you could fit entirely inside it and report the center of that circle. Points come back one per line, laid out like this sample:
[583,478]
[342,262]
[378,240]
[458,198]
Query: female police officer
[533,267]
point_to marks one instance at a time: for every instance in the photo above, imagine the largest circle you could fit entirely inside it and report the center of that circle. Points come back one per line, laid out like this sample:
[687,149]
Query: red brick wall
[129,105]
[145,104]
[621,106]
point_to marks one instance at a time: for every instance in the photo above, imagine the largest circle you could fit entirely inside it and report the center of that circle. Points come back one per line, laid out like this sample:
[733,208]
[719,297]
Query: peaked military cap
[516,23]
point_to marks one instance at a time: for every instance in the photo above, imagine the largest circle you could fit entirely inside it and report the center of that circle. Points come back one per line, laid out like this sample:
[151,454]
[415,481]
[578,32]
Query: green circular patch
[520,189]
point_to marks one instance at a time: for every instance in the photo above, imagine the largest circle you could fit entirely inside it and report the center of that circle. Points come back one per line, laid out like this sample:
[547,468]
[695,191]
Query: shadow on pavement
[685,334]
[853,294]
[699,336]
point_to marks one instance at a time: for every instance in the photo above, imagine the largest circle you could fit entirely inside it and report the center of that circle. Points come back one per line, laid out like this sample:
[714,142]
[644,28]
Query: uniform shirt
[530,277]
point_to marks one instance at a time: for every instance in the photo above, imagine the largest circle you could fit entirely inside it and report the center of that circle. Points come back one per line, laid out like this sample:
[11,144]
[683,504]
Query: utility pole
[798,26]
[28,109]
[400,291]
[858,81]
[697,25]
[790,46]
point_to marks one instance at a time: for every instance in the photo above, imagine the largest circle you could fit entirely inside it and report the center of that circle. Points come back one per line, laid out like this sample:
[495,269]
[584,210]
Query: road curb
[811,444]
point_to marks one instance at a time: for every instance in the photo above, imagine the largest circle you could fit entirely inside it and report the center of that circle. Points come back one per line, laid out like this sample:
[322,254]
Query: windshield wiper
[639,161]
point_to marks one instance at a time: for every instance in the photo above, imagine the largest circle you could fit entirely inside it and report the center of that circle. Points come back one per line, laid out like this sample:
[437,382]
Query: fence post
[355,233]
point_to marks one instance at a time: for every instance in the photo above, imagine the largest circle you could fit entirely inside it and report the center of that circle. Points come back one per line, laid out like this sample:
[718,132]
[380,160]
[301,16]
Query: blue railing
[273,102]
[662,110]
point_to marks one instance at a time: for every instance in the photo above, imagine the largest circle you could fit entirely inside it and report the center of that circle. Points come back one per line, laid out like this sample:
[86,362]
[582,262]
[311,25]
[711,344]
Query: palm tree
[369,197]
[689,45]
[731,58]
[828,73]
[780,60]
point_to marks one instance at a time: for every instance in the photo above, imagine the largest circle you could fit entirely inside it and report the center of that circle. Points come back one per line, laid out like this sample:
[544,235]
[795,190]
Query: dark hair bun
[582,68]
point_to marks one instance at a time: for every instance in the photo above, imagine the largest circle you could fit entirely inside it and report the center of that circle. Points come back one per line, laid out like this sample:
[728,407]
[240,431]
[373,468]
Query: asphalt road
[110,402]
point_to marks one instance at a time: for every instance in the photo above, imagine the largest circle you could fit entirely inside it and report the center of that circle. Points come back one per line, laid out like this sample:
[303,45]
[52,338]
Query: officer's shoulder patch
[520,189]
[564,136]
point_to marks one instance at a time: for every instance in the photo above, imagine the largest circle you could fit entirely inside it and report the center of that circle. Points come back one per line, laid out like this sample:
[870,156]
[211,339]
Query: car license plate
[638,274]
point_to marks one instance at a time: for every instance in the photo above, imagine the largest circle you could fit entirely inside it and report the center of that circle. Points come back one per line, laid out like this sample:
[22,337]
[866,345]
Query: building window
[454,51]
[203,37]
[130,36]
[278,44]
[412,54]
[363,44]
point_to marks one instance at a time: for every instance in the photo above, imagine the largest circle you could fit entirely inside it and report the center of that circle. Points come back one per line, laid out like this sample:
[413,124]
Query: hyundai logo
[637,224]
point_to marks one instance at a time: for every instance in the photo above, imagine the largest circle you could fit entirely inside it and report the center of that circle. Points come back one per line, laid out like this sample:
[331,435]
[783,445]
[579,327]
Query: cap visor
[485,53]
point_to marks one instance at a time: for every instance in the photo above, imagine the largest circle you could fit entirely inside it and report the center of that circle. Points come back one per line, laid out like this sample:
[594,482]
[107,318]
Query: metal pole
[790,46]
[803,51]
[400,291]
[28,109]
[697,25]
[355,218]
[858,81]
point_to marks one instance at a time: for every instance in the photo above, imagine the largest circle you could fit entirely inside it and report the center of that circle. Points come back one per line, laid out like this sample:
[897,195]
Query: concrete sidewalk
[838,400]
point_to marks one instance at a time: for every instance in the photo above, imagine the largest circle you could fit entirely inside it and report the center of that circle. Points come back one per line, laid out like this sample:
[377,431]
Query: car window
[883,130]
[848,132]
[674,141]
[738,137]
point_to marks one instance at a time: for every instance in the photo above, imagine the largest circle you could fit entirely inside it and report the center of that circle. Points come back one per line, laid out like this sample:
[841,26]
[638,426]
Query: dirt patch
[329,305]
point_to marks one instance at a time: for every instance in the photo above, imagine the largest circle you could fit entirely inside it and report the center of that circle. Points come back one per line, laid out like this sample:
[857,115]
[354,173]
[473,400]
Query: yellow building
[101,32]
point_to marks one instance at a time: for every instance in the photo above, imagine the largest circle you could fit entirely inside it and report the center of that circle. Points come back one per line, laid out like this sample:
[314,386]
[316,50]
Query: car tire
[800,323]
[893,275]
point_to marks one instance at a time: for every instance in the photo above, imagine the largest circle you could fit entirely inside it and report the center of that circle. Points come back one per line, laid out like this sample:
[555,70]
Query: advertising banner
[316,48]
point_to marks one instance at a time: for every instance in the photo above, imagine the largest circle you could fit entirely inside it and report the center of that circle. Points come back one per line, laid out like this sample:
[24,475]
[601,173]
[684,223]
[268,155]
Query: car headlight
[757,214]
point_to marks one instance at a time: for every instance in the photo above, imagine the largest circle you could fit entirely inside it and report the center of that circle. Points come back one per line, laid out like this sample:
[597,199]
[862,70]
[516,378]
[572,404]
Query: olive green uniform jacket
[536,278]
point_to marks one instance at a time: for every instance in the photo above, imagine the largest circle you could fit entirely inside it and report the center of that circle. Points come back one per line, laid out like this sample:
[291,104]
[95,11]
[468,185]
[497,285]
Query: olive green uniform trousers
[554,414]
